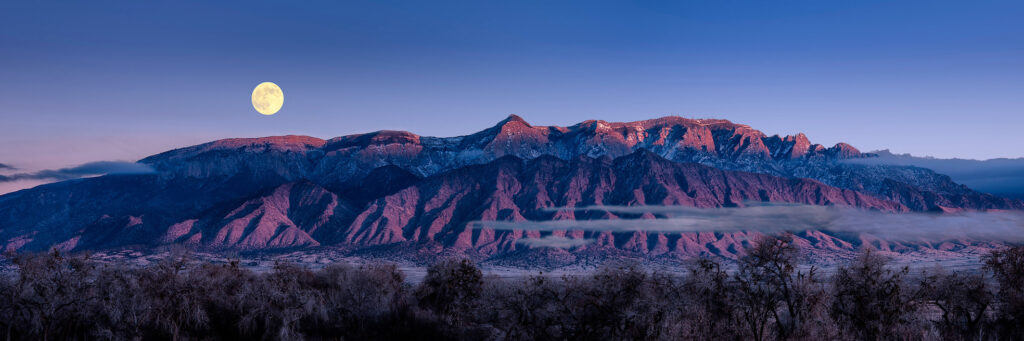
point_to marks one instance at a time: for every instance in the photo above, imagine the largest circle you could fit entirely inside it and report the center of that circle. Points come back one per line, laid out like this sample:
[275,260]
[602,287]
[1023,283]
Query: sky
[119,80]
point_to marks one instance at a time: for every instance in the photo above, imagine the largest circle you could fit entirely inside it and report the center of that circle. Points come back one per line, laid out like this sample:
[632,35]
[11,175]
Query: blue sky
[119,80]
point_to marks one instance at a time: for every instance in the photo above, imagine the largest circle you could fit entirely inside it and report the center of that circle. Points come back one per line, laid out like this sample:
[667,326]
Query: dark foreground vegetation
[58,297]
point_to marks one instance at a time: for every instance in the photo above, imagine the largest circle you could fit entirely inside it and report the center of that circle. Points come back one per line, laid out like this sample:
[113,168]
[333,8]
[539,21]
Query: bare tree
[177,299]
[46,298]
[871,299]
[122,308]
[535,308]
[1007,266]
[357,299]
[709,303]
[962,299]
[451,289]
[611,304]
[776,293]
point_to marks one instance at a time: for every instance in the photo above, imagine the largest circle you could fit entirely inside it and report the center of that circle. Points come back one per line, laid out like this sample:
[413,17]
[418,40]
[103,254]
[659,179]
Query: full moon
[267,98]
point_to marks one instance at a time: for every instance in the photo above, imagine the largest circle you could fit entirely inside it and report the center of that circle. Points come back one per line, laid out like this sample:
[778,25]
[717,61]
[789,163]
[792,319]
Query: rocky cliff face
[391,188]
[296,214]
[510,189]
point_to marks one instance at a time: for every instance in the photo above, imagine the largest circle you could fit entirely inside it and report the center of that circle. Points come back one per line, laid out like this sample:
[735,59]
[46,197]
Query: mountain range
[397,193]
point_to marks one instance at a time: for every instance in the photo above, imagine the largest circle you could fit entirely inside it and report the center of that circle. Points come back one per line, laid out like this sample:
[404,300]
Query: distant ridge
[1002,176]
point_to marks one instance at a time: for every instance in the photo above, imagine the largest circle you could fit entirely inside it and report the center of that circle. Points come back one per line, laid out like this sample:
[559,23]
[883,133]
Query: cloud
[6,167]
[1005,226]
[555,242]
[83,170]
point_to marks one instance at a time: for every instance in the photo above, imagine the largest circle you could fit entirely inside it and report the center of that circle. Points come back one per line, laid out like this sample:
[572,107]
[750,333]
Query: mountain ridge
[386,188]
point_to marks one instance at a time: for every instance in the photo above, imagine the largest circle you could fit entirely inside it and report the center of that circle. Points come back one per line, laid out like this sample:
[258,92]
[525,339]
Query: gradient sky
[84,81]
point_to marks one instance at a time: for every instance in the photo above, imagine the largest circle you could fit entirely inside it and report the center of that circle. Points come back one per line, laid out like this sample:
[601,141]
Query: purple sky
[119,80]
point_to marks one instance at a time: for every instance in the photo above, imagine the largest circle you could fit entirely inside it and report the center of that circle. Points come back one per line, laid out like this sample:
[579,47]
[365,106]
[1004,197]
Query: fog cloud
[80,171]
[555,242]
[995,226]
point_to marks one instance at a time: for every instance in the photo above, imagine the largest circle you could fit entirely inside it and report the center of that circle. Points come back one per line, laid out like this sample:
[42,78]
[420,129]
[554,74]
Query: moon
[267,98]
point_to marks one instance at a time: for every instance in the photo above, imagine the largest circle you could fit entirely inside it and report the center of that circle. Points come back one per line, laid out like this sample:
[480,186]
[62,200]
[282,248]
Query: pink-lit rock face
[394,191]
[511,189]
[843,151]
[291,215]
[352,156]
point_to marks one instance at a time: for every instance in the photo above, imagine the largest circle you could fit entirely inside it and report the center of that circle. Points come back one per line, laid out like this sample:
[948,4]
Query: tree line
[768,295]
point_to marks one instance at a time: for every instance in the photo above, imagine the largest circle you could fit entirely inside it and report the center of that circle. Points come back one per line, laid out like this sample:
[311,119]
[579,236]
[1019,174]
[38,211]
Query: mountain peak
[287,141]
[844,151]
[511,125]
[380,137]
[513,119]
